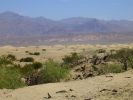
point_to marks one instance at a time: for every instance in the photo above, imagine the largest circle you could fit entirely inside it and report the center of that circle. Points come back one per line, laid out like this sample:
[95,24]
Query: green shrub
[130,61]
[30,69]
[31,73]
[10,77]
[11,57]
[26,51]
[27,70]
[124,56]
[27,59]
[37,65]
[5,61]
[53,72]
[72,59]
[35,53]
[110,68]
[43,49]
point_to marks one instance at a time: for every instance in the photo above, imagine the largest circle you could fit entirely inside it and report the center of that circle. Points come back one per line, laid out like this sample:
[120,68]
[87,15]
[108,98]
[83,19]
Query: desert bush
[101,51]
[49,72]
[31,73]
[43,49]
[10,77]
[4,60]
[124,56]
[35,53]
[27,70]
[26,51]
[53,72]
[110,68]
[72,59]
[37,65]
[11,57]
[94,59]
[27,59]
[130,61]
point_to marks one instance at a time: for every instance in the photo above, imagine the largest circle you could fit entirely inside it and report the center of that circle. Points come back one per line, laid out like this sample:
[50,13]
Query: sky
[61,9]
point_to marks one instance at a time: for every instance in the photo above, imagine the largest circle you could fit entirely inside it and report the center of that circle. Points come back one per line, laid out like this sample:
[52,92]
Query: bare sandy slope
[117,87]
[105,87]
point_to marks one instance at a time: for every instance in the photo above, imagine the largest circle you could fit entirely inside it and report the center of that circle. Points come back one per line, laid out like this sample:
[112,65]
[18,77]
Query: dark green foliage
[27,59]
[5,61]
[34,73]
[130,61]
[43,49]
[37,65]
[72,59]
[94,68]
[101,51]
[11,57]
[26,51]
[35,53]
[94,60]
[50,72]
[31,74]
[27,70]
[124,56]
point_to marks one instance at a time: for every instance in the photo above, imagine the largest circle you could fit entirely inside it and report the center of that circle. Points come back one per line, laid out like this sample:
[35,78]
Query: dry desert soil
[104,87]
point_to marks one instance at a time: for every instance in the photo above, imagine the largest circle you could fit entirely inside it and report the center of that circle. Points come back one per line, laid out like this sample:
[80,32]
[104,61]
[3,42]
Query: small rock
[104,90]
[48,97]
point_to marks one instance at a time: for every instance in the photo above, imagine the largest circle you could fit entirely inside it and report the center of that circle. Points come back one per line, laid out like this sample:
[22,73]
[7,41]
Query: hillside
[17,29]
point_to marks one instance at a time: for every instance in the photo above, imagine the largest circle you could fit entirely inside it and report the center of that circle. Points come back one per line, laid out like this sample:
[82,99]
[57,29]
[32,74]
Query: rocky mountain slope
[15,29]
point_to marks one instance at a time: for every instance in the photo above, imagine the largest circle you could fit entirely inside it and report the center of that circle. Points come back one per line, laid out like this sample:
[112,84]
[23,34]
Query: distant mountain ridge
[14,25]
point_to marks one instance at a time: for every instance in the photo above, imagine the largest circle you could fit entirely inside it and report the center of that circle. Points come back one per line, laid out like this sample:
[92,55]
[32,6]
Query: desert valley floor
[103,87]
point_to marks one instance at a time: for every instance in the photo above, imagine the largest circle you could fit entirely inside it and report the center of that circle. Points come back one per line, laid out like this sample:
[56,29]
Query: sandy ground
[56,52]
[105,87]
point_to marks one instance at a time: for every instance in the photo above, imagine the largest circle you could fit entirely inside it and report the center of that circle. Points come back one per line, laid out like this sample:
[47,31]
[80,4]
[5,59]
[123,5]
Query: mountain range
[18,29]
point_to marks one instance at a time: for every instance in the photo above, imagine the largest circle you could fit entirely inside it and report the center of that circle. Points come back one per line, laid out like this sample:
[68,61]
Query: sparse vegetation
[4,60]
[10,76]
[43,49]
[35,53]
[72,60]
[26,51]
[53,72]
[124,56]
[27,59]
[11,57]
[50,71]
[110,68]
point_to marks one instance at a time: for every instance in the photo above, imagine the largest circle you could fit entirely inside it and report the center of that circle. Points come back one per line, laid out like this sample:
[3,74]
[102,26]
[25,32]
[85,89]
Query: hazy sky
[59,9]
